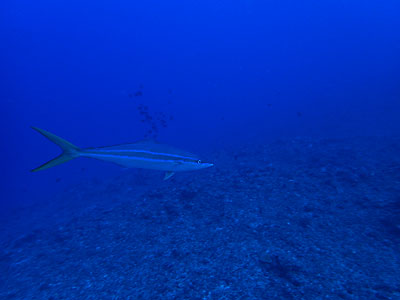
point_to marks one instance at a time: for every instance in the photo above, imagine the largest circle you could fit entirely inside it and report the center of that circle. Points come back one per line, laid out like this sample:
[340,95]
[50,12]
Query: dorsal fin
[147,141]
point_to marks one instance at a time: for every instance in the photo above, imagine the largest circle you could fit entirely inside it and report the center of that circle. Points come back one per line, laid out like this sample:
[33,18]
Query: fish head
[203,165]
[193,165]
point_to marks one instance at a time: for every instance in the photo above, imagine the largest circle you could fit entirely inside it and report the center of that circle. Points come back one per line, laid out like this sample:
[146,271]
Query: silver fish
[143,154]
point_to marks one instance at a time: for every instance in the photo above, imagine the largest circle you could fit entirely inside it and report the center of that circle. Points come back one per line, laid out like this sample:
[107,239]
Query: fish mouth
[207,165]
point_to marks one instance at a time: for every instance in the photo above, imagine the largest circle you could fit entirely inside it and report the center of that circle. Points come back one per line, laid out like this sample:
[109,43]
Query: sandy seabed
[294,219]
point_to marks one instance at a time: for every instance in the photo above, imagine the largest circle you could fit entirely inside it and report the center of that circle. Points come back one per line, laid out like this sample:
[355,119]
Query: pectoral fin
[168,175]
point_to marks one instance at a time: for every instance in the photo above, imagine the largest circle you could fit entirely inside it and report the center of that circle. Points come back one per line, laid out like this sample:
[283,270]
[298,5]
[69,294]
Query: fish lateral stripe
[102,155]
[150,154]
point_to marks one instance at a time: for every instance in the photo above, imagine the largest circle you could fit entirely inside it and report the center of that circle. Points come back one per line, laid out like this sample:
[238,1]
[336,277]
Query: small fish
[144,154]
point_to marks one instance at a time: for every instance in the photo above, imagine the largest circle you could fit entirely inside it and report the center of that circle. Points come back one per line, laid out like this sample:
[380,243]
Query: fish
[146,154]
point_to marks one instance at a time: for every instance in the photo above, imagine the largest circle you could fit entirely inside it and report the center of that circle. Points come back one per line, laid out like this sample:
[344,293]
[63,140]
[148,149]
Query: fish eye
[199,161]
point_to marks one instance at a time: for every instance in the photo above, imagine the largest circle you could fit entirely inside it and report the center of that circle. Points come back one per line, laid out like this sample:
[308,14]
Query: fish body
[147,155]
[144,154]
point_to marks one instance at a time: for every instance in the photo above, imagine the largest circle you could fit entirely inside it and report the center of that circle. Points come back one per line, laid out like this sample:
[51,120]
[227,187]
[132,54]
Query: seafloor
[293,219]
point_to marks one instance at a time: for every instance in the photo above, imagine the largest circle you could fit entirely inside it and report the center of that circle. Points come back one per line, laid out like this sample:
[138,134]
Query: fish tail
[70,151]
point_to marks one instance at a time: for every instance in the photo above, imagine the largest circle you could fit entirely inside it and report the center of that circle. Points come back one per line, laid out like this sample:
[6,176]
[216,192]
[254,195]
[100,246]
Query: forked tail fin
[70,151]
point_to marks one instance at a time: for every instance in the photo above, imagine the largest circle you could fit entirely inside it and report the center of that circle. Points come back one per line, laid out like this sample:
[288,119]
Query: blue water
[295,102]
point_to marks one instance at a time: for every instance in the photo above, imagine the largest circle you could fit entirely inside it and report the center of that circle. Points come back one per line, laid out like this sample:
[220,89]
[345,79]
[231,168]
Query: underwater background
[296,103]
